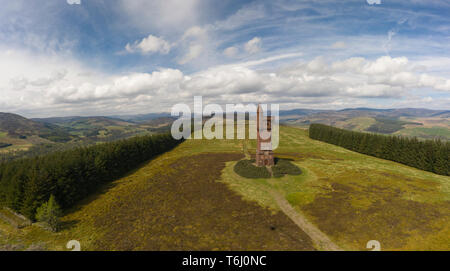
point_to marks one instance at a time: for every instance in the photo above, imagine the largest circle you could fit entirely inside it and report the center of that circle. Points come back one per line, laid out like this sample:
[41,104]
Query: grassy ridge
[354,198]
[351,197]
[173,202]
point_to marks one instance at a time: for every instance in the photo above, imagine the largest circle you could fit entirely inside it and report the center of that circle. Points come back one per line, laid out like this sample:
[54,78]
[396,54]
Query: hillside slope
[354,198]
[20,134]
[182,200]
[21,137]
[19,127]
[171,203]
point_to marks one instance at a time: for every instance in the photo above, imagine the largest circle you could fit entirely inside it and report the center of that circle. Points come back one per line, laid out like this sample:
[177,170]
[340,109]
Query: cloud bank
[58,84]
[138,56]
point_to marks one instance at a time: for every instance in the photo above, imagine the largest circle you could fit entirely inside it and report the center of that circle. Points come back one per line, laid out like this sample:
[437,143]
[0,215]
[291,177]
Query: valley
[21,137]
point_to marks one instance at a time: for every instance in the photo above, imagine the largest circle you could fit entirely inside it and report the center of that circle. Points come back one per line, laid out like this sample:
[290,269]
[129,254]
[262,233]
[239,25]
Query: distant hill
[362,111]
[299,112]
[444,114]
[99,121]
[162,121]
[419,122]
[20,136]
[141,117]
[18,133]
[17,126]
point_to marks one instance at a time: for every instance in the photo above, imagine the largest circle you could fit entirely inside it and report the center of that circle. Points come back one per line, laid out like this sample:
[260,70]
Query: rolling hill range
[16,126]
[42,135]
[19,133]
[20,136]
[191,199]
[95,127]
[421,123]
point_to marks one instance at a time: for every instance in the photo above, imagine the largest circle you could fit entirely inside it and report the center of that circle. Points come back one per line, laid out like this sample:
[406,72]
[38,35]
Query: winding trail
[321,240]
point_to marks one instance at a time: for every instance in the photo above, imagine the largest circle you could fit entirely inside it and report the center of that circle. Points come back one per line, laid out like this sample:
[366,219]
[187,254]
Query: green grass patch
[426,133]
[354,198]
[388,126]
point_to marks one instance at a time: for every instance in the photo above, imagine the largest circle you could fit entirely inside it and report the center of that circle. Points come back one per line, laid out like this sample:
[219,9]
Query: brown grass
[388,218]
[189,210]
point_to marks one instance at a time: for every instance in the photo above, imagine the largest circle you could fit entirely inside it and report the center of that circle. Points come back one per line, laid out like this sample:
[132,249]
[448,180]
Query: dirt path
[321,241]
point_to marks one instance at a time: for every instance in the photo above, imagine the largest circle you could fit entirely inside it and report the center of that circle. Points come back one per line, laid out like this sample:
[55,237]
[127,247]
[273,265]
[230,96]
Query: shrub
[247,169]
[284,166]
[49,213]
[4,145]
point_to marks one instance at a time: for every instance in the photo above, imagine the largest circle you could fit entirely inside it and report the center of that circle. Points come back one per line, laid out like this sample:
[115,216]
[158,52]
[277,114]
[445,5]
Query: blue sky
[118,57]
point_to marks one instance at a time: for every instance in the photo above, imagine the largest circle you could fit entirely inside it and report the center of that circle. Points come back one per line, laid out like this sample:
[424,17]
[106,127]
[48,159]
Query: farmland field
[426,133]
[191,199]
[403,125]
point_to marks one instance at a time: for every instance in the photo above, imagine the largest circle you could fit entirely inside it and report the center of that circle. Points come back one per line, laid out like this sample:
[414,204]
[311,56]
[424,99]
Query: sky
[115,57]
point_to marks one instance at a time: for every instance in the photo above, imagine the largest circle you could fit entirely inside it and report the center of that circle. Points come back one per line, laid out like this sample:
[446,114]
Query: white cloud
[242,17]
[193,52]
[129,86]
[374,2]
[194,32]
[168,15]
[150,44]
[339,45]
[231,51]
[386,65]
[62,86]
[388,44]
[253,63]
[253,46]
[74,2]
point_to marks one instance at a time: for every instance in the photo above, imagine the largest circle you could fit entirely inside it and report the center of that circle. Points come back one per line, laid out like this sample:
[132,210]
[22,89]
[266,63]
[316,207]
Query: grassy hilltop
[191,199]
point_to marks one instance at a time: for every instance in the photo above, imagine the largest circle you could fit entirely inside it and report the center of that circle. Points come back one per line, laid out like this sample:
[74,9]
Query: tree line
[429,155]
[71,175]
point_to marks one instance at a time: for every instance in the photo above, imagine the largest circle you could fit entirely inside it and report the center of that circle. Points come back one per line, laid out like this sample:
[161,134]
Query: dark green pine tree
[429,155]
